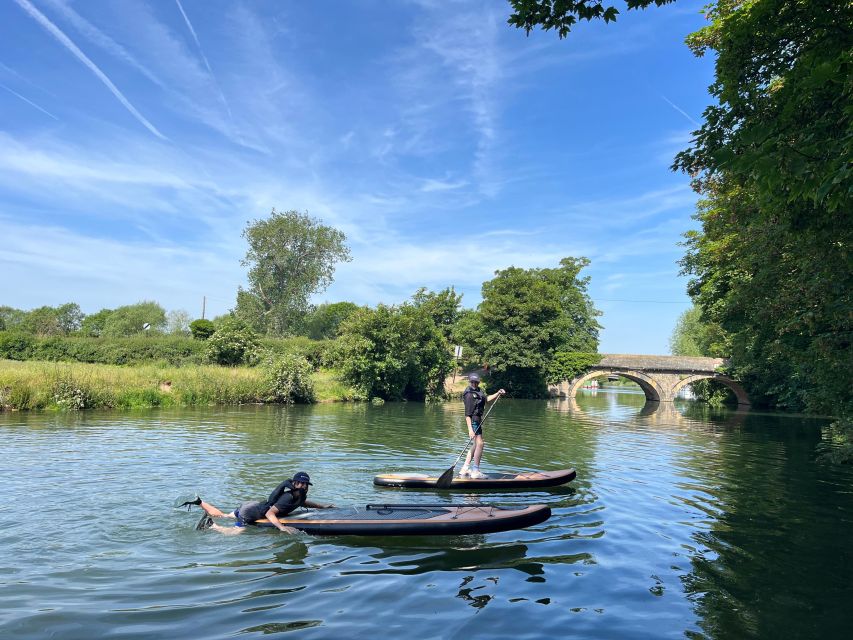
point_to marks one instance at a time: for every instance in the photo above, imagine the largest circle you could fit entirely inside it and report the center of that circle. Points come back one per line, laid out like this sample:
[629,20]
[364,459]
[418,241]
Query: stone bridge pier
[660,377]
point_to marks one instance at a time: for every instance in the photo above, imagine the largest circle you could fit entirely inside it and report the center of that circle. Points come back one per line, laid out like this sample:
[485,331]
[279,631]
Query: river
[682,522]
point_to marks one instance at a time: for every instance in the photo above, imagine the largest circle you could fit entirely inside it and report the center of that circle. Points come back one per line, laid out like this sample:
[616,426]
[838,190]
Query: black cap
[473,378]
[301,476]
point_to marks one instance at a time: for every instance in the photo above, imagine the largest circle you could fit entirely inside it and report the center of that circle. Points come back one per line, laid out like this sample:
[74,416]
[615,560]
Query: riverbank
[70,386]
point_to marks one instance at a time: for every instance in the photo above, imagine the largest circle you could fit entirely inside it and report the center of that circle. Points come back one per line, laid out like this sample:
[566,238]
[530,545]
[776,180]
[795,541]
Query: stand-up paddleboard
[526,480]
[414,519]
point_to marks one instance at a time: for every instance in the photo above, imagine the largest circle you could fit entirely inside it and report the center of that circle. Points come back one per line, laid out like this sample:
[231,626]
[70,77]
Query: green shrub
[168,349]
[233,343]
[202,329]
[393,353]
[568,365]
[317,352]
[287,379]
[71,395]
[15,345]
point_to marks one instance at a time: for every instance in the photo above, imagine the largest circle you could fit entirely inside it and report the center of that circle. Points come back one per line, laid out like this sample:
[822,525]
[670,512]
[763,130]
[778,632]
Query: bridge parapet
[685,364]
[660,377]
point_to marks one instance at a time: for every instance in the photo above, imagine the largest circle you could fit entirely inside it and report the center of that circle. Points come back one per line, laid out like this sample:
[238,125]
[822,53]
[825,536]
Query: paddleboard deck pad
[491,481]
[414,519]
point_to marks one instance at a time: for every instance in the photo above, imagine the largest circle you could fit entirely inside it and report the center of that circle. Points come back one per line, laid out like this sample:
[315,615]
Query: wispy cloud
[432,184]
[465,43]
[28,101]
[63,39]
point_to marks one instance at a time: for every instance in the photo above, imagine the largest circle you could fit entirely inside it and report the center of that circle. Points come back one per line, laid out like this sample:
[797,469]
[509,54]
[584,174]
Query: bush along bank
[71,387]
[171,350]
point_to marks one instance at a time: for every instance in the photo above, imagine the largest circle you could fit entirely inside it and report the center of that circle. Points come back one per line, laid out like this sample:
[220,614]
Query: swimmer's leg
[210,510]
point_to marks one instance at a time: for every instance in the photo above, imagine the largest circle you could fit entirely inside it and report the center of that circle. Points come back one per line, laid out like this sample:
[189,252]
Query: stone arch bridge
[660,377]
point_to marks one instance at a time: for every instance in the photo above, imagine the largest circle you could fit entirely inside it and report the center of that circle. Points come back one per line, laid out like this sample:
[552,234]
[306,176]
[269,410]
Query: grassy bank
[72,386]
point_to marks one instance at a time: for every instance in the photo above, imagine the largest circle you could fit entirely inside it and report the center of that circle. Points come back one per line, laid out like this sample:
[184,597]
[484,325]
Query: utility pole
[203,306]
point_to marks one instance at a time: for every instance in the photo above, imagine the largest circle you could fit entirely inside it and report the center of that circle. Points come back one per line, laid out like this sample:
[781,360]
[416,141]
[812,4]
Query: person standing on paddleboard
[285,498]
[475,401]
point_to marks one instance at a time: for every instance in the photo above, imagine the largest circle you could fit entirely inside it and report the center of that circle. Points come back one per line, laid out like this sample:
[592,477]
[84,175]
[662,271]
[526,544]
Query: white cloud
[432,184]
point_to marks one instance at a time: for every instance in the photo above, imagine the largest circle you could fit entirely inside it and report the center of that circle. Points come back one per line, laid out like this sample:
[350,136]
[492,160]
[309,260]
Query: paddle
[446,478]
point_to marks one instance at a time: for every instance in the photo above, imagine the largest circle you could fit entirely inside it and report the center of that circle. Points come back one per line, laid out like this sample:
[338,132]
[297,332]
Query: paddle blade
[445,479]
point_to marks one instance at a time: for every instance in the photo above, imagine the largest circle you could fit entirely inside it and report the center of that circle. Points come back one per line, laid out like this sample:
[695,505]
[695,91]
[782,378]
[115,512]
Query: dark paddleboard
[491,481]
[414,519]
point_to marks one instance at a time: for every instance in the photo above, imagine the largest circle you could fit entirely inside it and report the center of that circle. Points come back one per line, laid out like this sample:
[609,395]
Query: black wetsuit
[475,402]
[284,496]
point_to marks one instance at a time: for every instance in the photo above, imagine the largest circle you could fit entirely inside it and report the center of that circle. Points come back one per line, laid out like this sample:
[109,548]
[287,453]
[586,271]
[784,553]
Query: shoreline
[72,386]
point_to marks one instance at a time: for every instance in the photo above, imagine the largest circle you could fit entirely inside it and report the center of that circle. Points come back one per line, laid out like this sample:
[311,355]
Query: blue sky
[137,138]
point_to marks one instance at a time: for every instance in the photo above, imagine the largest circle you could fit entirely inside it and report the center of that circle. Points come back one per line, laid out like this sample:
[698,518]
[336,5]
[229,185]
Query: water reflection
[683,521]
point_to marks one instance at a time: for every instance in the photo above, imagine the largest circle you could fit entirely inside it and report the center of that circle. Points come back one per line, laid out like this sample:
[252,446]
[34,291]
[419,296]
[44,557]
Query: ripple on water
[675,525]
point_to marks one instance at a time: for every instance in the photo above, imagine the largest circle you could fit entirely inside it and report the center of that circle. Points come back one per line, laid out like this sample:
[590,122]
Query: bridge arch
[649,385]
[732,385]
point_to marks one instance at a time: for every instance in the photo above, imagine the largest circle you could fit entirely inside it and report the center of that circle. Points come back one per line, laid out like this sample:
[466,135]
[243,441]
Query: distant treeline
[162,349]
[318,322]
[532,326]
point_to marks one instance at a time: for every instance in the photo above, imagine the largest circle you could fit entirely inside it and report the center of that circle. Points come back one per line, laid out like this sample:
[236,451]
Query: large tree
[132,319]
[291,257]
[529,315]
[771,264]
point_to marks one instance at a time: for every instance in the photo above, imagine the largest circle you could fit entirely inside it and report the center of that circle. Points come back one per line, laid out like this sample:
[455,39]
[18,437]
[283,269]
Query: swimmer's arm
[272,516]
[317,505]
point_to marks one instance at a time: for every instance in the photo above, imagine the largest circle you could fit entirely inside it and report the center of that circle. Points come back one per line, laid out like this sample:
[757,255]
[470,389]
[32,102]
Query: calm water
[680,524]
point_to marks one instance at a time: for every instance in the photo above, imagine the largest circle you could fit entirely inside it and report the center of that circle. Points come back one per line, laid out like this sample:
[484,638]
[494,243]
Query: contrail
[679,109]
[29,102]
[204,57]
[102,40]
[39,17]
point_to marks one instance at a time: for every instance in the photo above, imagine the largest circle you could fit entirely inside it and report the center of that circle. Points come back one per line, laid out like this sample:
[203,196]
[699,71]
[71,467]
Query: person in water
[285,498]
[475,401]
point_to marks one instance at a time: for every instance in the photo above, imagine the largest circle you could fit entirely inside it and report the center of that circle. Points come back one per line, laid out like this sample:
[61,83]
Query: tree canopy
[393,353]
[131,320]
[694,337]
[562,15]
[291,256]
[528,315]
[444,307]
[322,323]
[52,321]
[771,264]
